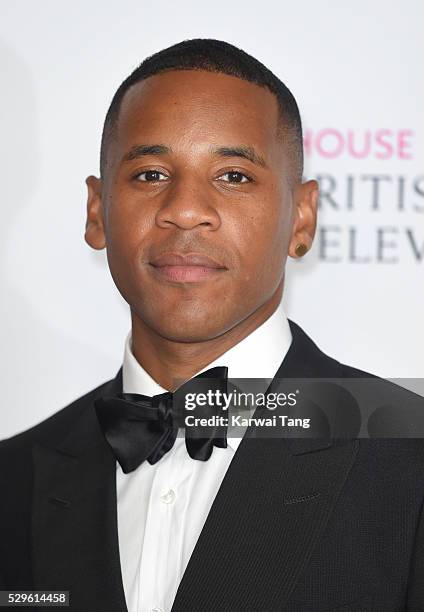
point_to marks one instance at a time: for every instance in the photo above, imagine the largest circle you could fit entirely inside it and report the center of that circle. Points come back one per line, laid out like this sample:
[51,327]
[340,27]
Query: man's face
[195,170]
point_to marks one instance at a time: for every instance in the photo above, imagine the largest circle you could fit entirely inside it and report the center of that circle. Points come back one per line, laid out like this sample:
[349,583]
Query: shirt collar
[258,355]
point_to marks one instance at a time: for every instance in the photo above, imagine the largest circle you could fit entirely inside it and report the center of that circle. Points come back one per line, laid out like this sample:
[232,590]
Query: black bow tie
[138,427]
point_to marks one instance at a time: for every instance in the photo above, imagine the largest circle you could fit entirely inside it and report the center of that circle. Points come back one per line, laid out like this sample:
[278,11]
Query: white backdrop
[356,71]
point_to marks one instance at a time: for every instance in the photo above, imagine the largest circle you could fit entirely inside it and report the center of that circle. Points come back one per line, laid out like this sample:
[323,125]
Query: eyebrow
[243,151]
[143,149]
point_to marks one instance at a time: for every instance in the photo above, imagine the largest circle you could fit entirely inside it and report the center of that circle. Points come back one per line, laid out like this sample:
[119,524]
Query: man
[199,203]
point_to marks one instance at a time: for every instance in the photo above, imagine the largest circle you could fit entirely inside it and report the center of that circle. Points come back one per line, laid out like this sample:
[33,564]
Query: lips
[192,267]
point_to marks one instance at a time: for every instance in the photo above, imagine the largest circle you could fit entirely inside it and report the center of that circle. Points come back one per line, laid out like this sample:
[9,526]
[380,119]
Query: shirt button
[167,498]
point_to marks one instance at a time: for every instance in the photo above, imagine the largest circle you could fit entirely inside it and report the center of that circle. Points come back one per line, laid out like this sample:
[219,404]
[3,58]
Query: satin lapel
[74,516]
[270,512]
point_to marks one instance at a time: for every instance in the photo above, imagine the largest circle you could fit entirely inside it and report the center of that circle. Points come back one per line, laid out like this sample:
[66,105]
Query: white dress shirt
[162,507]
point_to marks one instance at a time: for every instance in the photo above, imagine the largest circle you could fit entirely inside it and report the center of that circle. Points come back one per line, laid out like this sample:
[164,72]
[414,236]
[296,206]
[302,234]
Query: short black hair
[219,57]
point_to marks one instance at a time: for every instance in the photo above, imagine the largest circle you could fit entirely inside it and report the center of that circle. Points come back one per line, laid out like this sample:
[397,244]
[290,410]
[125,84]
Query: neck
[168,361]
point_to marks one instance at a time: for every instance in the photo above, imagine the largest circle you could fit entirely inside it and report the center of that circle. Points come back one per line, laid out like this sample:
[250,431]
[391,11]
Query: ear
[94,227]
[305,216]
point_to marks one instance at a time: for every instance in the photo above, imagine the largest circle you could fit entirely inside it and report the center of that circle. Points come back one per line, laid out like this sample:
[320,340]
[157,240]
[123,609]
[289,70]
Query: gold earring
[301,249]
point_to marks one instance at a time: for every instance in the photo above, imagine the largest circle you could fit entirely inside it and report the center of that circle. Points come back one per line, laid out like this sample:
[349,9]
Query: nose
[188,204]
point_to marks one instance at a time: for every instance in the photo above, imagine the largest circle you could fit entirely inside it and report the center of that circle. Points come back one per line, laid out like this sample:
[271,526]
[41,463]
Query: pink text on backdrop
[331,143]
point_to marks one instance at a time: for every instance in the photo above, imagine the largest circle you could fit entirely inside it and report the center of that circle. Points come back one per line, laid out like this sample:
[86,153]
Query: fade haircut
[219,57]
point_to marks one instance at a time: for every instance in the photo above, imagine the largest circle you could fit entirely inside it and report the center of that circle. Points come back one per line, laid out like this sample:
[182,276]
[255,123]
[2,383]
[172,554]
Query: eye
[235,177]
[151,176]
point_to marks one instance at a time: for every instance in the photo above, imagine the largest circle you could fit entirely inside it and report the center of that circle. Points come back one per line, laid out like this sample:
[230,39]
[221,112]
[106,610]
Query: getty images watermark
[222,401]
[359,407]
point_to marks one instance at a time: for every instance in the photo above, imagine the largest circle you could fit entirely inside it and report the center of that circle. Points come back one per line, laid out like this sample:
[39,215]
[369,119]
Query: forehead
[196,107]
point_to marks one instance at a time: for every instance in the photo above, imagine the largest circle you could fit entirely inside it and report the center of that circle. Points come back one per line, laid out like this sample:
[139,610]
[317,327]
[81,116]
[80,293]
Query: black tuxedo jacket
[299,524]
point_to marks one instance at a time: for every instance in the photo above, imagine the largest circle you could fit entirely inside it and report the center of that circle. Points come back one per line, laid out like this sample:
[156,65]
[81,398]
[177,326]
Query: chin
[192,324]
[189,327]
[189,332]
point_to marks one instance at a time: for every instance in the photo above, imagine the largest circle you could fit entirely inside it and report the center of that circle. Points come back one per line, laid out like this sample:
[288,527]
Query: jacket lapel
[272,507]
[74,516]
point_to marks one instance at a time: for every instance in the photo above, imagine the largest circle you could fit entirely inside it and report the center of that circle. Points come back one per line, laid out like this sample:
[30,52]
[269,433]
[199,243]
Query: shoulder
[53,428]
[380,391]
[390,416]
[318,364]
[358,403]
[16,452]
[390,431]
